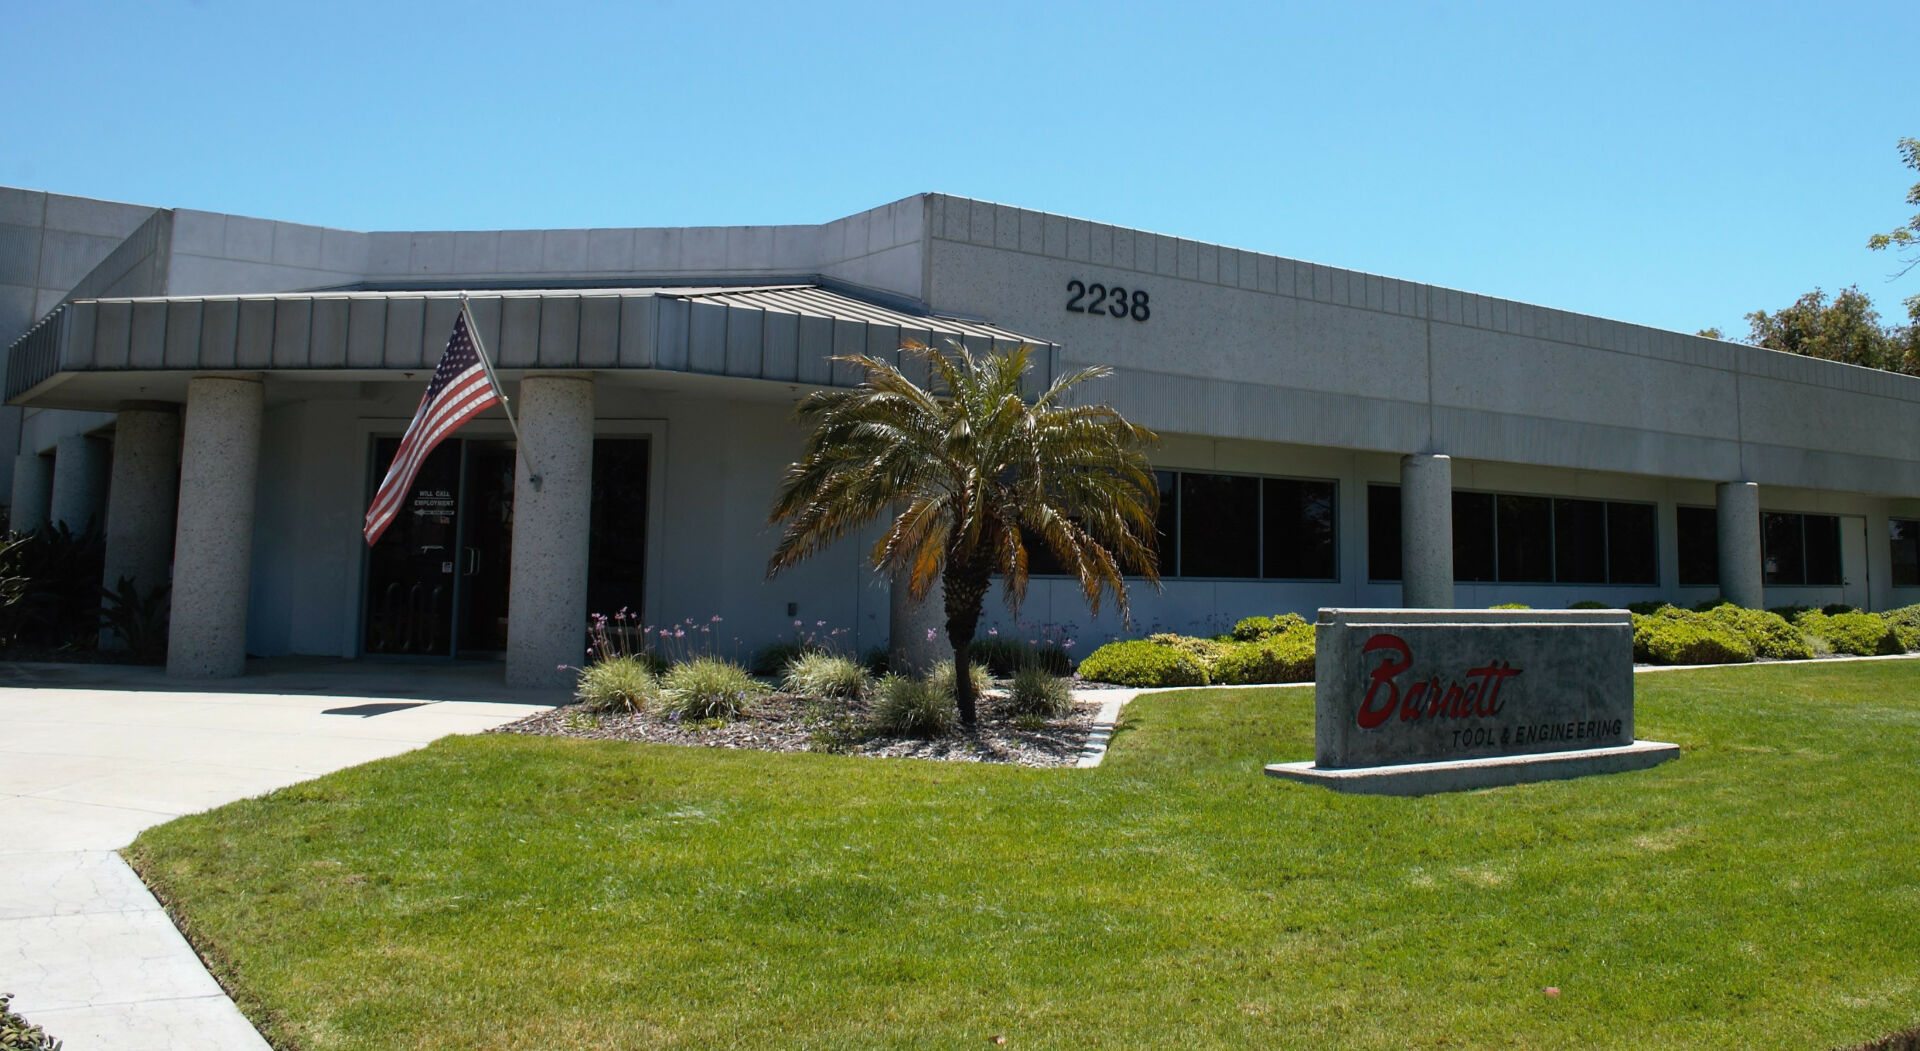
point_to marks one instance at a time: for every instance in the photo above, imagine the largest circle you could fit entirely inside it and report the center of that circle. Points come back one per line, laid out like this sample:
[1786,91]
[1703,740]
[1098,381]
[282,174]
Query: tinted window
[1579,542]
[617,539]
[1297,522]
[1632,544]
[1167,524]
[1822,538]
[1699,536]
[1525,538]
[1473,536]
[1904,535]
[1219,525]
[1780,539]
[1383,532]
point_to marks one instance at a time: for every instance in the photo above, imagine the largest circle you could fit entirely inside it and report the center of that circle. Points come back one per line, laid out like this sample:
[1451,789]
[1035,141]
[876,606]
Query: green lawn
[503,891]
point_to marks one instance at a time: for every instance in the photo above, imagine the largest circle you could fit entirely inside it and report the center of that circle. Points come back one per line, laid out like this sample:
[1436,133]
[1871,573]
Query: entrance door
[411,570]
[437,579]
[1853,562]
[486,548]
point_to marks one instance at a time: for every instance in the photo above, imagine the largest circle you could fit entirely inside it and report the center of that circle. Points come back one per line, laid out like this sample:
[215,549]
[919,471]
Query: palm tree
[973,473]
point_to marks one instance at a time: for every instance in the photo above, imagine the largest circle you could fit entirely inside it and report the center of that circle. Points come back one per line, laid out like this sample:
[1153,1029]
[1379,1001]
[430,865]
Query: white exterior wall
[718,461]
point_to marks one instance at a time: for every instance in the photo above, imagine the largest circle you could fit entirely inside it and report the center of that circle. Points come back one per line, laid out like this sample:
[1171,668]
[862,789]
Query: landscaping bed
[780,722]
[514,890]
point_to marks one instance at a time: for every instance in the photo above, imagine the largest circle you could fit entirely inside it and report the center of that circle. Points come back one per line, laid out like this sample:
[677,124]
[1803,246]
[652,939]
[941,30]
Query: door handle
[473,561]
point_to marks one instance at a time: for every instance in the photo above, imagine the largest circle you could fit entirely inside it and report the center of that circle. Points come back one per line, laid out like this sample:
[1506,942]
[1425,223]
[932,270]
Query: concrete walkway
[92,754]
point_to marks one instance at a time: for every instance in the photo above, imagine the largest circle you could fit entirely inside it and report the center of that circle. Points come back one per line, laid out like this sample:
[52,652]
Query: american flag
[459,390]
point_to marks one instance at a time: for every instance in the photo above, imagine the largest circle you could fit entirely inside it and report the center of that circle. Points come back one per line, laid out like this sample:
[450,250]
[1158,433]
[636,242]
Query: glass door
[486,548]
[411,570]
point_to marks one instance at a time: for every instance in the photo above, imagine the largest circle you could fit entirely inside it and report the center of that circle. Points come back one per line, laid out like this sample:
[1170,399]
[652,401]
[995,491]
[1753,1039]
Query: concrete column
[909,649]
[140,500]
[32,492]
[1741,579]
[79,482]
[1426,531]
[213,542]
[547,594]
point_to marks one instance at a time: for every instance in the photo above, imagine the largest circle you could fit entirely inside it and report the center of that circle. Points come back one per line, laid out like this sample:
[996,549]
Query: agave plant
[974,473]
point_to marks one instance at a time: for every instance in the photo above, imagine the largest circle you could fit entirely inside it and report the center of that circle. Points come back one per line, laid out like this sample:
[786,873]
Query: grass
[508,891]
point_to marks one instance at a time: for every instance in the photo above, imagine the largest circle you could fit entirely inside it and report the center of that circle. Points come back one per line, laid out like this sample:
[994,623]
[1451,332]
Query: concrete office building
[218,394]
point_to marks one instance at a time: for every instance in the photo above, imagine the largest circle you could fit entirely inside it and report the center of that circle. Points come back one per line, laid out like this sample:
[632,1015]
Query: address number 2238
[1111,302]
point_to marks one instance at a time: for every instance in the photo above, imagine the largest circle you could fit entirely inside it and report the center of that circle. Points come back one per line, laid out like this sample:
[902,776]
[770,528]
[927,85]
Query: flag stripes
[460,389]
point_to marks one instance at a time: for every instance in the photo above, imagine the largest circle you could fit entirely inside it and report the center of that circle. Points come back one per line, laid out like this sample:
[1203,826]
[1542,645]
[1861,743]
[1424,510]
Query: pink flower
[993,631]
[715,619]
[930,634]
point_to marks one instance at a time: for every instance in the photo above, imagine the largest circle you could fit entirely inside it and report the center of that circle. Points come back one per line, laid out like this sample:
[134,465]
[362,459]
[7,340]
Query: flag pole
[533,474]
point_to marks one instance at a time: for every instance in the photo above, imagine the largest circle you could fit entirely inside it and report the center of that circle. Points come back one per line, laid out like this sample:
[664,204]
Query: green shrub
[1004,656]
[1646,608]
[1511,605]
[137,618]
[1283,658]
[1589,604]
[1788,612]
[707,688]
[825,677]
[1037,691]
[1768,633]
[17,1035]
[623,684]
[1138,662]
[1253,629]
[941,678]
[1205,650]
[877,660]
[50,588]
[1835,608]
[1860,634]
[1905,623]
[905,707]
[1681,637]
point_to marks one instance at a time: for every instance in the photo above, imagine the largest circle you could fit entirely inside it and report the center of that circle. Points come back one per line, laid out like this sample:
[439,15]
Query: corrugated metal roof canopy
[774,332]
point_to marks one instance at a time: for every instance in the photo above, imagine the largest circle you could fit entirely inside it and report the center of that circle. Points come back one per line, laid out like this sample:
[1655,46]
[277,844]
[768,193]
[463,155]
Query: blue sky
[1672,164]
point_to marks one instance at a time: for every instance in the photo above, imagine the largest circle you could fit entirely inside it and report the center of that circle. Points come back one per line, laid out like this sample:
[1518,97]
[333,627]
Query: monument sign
[1409,702]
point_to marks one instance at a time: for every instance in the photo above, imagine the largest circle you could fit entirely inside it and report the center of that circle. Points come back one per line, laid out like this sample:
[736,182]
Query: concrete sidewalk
[92,754]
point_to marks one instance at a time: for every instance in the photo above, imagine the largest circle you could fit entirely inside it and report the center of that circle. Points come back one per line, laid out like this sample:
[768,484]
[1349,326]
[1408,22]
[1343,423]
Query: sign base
[1457,775]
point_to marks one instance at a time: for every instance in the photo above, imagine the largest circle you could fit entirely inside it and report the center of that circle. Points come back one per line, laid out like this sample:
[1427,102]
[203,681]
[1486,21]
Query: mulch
[786,723]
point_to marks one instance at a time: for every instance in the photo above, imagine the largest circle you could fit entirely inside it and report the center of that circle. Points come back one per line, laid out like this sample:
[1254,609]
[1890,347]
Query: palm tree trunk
[966,592]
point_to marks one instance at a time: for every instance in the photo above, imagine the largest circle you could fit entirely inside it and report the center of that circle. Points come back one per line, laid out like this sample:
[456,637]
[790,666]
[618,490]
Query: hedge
[1137,662]
[1857,633]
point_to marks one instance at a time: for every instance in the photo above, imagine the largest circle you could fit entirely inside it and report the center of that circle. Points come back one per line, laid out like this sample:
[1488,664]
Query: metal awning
[783,332]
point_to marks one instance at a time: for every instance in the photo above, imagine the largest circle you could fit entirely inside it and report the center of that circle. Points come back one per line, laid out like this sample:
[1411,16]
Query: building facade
[218,394]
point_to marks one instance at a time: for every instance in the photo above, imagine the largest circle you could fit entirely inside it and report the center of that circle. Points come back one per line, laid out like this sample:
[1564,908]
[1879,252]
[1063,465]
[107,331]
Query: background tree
[1905,240]
[1846,329]
[973,472]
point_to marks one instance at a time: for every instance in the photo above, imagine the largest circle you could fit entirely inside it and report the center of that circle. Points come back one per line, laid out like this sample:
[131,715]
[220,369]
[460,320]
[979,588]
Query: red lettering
[1371,716]
[1429,699]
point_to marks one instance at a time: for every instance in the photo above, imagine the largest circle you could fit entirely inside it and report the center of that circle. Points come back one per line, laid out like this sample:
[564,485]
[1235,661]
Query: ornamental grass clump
[707,688]
[1138,662]
[941,678]
[619,684]
[1035,691]
[1856,633]
[908,707]
[826,677]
